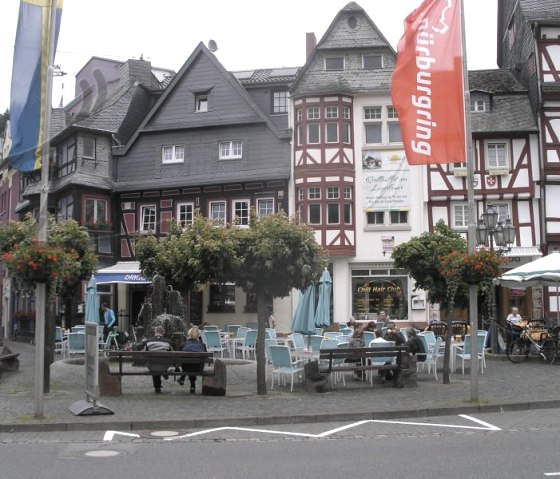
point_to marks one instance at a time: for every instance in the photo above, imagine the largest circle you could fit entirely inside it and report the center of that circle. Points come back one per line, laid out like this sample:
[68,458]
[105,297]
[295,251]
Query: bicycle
[542,342]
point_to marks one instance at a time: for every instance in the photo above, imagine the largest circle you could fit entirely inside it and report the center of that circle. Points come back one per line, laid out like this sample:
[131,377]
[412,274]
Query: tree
[276,254]
[270,258]
[4,117]
[422,257]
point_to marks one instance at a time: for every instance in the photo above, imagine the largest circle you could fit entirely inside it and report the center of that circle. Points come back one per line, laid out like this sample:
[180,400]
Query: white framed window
[299,115]
[95,210]
[241,212]
[313,113]
[280,100]
[372,62]
[218,212]
[147,218]
[375,218]
[299,134]
[347,213]
[398,217]
[185,214]
[331,112]
[381,125]
[314,214]
[347,192]
[373,132]
[265,206]
[333,213]
[331,130]
[460,215]
[313,133]
[372,113]
[346,112]
[497,154]
[64,206]
[478,105]
[230,150]
[393,125]
[503,211]
[333,192]
[201,103]
[314,193]
[334,63]
[172,154]
[346,133]
[300,194]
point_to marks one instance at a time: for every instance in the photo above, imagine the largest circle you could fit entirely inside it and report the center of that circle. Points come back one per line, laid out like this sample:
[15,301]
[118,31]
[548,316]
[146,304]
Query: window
[478,105]
[382,125]
[496,155]
[372,113]
[346,138]
[503,211]
[333,192]
[185,214]
[331,132]
[347,192]
[241,212]
[65,207]
[89,147]
[313,136]
[314,216]
[460,215]
[300,194]
[66,158]
[103,243]
[398,217]
[299,115]
[313,113]
[314,193]
[333,214]
[331,112]
[299,135]
[172,154]
[375,217]
[218,212]
[347,214]
[372,62]
[346,113]
[265,206]
[201,102]
[222,298]
[148,218]
[280,102]
[95,211]
[393,126]
[231,150]
[334,63]
[373,132]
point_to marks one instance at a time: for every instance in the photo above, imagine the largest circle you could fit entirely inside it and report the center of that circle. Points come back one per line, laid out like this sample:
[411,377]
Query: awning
[127,272]
[520,255]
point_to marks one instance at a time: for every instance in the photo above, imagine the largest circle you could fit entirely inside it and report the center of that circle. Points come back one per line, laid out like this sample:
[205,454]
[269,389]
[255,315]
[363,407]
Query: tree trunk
[262,322]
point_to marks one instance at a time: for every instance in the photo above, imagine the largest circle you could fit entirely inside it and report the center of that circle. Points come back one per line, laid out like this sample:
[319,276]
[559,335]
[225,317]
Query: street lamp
[501,234]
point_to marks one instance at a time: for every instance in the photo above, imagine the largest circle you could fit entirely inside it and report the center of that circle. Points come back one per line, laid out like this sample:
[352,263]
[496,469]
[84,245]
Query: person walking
[158,343]
[109,320]
[193,344]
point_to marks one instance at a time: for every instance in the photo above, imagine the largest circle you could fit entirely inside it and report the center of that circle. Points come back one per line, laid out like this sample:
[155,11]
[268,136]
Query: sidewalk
[504,386]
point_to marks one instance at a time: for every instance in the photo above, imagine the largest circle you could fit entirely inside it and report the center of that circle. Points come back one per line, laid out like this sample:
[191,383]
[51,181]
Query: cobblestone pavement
[503,385]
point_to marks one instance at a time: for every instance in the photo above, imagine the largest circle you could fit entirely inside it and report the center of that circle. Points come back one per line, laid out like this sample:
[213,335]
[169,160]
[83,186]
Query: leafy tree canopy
[4,117]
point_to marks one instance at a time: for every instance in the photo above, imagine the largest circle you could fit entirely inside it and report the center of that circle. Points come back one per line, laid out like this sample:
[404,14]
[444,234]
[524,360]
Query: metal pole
[40,290]
[473,299]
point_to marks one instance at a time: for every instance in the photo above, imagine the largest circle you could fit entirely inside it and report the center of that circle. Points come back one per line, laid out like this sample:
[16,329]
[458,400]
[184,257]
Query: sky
[250,34]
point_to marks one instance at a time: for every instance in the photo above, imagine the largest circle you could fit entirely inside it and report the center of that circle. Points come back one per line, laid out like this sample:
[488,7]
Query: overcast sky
[249,33]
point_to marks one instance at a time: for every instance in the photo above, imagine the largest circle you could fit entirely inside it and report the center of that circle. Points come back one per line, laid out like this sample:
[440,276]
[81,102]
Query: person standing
[514,323]
[271,320]
[192,344]
[514,317]
[109,320]
[158,343]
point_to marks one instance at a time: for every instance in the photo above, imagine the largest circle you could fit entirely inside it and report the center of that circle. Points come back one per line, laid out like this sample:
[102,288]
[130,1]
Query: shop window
[222,298]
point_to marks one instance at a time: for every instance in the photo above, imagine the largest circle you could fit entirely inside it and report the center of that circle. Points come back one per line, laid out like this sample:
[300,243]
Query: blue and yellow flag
[29,82]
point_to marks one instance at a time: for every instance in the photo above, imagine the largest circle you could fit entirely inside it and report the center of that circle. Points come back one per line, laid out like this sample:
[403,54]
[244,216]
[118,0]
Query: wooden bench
[362,359]
[172,359]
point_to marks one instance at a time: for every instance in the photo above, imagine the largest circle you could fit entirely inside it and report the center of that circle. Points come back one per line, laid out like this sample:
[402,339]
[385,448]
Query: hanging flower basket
[472,268]
[41,263]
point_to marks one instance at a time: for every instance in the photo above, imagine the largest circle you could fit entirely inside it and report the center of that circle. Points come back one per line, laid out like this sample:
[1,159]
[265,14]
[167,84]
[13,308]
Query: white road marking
[486,427]
[552,473]
[110,434]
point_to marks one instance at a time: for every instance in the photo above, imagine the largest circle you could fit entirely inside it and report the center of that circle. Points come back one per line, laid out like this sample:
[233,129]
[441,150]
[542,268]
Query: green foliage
[14,233]
[421,257]
[4,117]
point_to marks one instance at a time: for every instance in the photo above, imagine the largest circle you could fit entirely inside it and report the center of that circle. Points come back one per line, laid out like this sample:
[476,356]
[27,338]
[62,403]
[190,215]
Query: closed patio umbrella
[304,318]
[92,302]
[322,313]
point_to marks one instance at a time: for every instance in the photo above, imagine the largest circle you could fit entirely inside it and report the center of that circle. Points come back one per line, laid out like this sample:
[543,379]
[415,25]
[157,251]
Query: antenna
[212,46]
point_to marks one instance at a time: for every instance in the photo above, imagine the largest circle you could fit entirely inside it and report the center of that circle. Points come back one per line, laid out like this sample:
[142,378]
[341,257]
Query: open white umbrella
[544,271]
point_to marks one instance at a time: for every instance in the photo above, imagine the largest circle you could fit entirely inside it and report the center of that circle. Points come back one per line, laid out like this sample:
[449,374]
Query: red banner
[427,88]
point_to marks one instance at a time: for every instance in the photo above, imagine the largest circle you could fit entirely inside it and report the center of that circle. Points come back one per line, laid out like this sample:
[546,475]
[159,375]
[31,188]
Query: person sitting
[193,343]
[393,335]
[158,343]
[415,345]
[383,318]
[357,341]
[370,327]
[514,324]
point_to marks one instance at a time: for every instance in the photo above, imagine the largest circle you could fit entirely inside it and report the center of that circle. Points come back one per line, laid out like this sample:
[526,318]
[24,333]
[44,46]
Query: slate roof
[266,76]
[510,109]
[357,81]
[543,11]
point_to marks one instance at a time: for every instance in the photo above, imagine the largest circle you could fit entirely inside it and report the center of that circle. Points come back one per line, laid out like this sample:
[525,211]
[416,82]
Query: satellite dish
[212,46]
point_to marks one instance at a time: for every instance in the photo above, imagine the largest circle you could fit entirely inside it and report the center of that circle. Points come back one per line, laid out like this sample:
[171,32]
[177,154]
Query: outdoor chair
[58,340]
[381,360]
[271,332]
[464,352]
[76,344]
[459,328]
[432,357]
[404,332]
[252,325]
[439,328]
[214,343]
[315,342]
[211,327]
[298,341]
[369,336]
[267,344]
[232,328]
[247,349]
[430,338]
[283,366]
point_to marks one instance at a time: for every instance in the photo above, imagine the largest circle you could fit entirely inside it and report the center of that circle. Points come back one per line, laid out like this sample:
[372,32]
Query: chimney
[310,43]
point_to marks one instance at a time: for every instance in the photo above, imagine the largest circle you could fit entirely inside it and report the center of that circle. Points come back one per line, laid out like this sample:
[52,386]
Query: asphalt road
[501,445]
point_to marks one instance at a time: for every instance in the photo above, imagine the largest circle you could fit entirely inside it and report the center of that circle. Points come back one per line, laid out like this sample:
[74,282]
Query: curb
[271,420]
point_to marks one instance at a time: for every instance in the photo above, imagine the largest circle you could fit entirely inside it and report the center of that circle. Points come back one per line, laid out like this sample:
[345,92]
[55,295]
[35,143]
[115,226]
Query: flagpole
[41,288]
[471,238]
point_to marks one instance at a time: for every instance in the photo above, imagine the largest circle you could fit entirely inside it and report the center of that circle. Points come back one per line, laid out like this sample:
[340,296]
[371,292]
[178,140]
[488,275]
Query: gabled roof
[342,35]
[495,81]
[266,76]
[256,113]
[542,11]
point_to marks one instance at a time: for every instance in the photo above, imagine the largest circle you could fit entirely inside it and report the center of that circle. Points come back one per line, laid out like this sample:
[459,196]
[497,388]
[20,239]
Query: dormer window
[478,105]
[334,63]
[372,62]
[201,102]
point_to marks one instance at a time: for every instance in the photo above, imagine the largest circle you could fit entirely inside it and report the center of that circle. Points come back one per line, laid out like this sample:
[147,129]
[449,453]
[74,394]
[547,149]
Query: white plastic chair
[247,349]
[283,365]
[298,341]
[213,342]
[464,353]
[76,344]
[432,357]
[58,340]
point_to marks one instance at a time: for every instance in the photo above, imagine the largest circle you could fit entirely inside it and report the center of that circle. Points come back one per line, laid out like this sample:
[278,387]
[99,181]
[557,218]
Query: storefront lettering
[378,289]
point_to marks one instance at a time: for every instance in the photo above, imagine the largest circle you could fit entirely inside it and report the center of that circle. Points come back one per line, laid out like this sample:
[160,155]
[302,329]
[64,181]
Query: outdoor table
[306,354]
